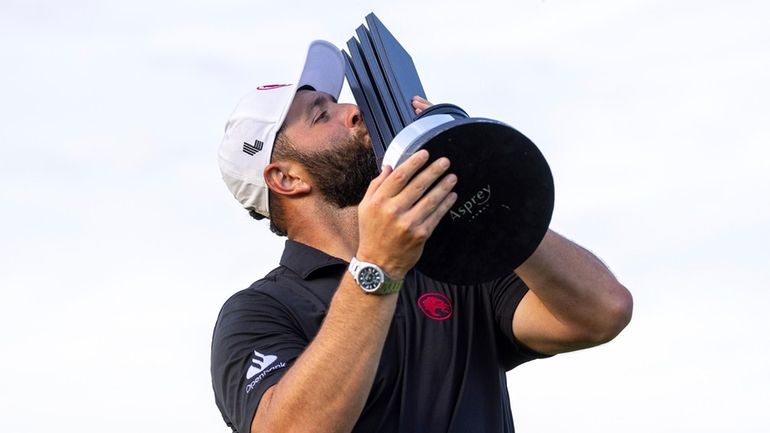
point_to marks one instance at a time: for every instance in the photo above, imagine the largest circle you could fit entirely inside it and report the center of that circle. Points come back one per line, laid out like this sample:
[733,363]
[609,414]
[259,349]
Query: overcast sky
[119,242]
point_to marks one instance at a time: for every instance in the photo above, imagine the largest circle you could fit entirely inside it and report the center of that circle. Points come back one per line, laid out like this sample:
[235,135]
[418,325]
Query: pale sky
[119,242]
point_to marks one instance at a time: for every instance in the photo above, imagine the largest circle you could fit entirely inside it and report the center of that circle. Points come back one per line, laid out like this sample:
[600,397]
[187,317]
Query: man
[375,346]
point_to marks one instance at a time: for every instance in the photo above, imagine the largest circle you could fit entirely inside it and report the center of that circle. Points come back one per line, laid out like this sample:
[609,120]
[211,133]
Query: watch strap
[388,285]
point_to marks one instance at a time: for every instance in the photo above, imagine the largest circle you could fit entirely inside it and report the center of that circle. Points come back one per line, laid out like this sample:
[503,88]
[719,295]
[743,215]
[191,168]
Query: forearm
[326,388]
[577,289]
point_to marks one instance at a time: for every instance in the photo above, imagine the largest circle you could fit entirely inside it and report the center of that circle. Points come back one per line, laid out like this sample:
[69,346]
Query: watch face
[370,278]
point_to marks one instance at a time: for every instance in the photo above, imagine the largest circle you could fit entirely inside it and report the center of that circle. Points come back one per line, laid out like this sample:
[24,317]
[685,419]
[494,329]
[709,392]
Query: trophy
[505,187]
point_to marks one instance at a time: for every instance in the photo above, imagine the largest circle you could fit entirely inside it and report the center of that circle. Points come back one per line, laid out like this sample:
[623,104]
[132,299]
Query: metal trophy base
[505,194]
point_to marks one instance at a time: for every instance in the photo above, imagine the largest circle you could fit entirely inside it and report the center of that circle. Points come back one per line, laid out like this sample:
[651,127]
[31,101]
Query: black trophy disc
[505,188]
[505,199]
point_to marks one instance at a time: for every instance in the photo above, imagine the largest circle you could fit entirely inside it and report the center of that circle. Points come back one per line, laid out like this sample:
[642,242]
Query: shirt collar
[305,260]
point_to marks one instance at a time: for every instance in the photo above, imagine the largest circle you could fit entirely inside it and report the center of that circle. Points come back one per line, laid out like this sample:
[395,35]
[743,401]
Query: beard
[342,174]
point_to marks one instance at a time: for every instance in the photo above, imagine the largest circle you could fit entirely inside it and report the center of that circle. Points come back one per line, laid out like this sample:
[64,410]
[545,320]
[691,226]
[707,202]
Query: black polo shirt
[442,368]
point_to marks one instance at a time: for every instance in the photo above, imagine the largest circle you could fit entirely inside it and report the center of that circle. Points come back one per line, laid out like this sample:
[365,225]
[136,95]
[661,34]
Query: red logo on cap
[272,86]
[435,305]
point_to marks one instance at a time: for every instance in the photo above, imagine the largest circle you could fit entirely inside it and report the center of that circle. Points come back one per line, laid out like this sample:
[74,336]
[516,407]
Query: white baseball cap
[250,132]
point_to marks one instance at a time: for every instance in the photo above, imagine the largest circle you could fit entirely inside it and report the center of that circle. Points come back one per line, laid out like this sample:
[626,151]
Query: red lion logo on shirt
[435,305]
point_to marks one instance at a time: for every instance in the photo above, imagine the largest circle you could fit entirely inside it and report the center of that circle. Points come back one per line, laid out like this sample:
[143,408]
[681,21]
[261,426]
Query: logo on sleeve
[259,363]
[261,366]
[435,305]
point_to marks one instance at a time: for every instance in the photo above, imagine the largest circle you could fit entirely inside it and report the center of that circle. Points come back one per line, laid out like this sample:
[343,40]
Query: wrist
[372,279]
[391,269]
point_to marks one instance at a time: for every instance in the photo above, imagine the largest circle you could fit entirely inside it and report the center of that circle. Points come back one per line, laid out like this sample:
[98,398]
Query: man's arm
[574,301]
[326,388]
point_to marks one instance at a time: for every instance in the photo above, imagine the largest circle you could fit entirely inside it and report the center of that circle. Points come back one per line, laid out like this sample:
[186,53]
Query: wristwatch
[371,279]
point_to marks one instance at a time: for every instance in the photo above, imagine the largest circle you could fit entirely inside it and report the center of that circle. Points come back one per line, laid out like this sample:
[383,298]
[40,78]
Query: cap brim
[324,68]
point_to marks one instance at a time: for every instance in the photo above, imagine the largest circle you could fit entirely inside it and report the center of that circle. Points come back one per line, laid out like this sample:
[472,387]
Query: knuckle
[421,233]
[373,201]
[433,200]
[436,171]
[399,176]
[404,226]
[420,187]
[390,211]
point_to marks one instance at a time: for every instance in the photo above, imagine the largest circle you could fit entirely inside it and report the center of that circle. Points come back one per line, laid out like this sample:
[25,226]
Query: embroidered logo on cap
[251,149]
[435,305]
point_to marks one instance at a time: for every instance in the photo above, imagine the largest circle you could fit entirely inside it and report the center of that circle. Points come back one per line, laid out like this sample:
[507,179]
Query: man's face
[332,143]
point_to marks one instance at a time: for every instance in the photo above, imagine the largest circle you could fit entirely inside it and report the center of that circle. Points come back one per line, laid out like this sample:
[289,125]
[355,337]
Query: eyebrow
[321,99]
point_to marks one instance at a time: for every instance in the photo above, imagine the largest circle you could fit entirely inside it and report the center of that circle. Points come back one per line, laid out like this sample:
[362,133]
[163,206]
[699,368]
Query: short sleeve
[506,295]
[255,340]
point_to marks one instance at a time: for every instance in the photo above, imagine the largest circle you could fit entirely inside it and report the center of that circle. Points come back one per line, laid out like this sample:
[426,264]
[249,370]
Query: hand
[419,104]
[398,213]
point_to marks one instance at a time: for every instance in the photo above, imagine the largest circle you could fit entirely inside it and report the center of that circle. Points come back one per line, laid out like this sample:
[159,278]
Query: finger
[419,100]
[433,200]
[435,217]
[418,186]
[419,104]
[400,177]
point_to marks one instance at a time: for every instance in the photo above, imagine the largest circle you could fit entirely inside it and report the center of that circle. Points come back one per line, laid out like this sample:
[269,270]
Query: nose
[351,115]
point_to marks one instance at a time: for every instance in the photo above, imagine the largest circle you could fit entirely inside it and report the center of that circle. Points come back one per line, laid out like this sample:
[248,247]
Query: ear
[286,178]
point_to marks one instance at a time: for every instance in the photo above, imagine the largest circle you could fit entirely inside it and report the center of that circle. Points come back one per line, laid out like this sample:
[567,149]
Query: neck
[331,230]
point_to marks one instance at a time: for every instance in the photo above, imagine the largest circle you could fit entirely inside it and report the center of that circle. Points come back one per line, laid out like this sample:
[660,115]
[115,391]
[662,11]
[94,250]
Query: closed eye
[323,116]
[317,109]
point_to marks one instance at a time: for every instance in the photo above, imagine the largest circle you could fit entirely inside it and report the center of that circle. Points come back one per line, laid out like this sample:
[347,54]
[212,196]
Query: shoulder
[281,302]
[260,299]
[259,292]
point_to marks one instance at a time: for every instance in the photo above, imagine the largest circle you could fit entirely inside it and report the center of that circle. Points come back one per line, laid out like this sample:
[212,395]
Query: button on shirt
[442,367]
